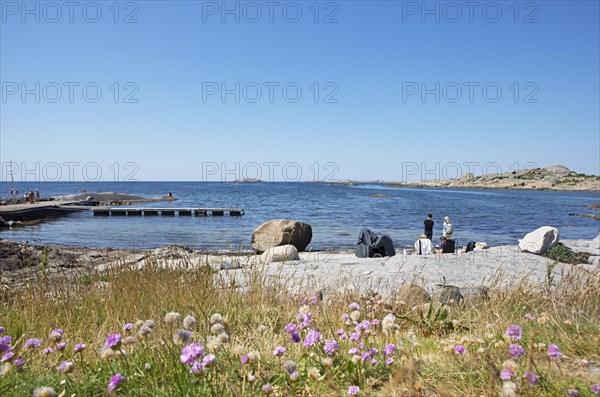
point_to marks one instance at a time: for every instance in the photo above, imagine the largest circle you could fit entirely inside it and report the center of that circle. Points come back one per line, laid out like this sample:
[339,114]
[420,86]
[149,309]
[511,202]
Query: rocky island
[555,177]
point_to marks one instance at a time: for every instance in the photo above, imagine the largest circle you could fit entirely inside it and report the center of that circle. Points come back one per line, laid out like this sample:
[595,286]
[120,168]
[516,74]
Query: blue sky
[507,84]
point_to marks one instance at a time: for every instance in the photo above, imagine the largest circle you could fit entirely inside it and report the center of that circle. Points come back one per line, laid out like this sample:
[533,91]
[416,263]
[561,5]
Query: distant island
[555,177]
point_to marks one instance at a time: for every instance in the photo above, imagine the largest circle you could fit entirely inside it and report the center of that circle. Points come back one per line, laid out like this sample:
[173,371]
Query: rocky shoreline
[556,177]
[22,263]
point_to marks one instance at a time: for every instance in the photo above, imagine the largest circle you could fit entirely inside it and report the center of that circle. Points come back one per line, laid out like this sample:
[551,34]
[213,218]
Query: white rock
[282,253]
[540,240]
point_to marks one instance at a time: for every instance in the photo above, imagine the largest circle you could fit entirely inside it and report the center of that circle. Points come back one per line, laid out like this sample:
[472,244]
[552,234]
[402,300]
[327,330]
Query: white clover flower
[172,318]
[189,322]
[216,318]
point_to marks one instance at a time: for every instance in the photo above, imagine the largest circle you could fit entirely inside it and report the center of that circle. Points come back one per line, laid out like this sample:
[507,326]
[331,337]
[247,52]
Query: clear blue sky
[370,60]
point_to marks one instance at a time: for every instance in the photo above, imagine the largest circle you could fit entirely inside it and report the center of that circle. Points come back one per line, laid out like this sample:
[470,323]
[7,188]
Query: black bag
[450,246]
[470,246]
[370,245]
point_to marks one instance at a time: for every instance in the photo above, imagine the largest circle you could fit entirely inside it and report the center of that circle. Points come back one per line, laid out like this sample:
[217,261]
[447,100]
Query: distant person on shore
[423,245]
[442,247]
[447,227]
[31,197]
[37,196]
[429,226]
[170,196]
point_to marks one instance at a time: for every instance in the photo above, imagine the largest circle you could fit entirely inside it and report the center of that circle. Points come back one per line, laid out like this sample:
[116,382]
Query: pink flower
[115,381]
[279,351]
[353,390]
[331,346]
[460,349]
[554,352]
[113,341]
[514,331]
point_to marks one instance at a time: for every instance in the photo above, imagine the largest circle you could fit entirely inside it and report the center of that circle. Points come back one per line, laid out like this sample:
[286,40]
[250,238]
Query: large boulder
[282,253]
[540,240]
[281,232]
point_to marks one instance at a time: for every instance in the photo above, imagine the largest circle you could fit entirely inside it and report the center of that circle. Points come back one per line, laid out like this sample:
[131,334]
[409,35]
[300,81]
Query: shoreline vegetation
[172,321]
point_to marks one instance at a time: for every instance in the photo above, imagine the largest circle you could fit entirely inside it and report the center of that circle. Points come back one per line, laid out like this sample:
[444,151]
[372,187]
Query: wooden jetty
[168,211]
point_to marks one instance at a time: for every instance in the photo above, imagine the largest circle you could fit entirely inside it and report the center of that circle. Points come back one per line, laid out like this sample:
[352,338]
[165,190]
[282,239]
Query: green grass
[566,314]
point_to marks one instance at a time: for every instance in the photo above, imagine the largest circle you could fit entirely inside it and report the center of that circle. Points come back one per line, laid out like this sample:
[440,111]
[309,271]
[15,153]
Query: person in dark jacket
[429,226]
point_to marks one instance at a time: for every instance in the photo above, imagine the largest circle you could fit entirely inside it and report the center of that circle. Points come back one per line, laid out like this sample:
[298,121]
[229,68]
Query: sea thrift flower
[312,337]
[19,363]
[115,381]
[253,356]
[144,330]
[197,368]
[289,366]
[216,328]
[294,376]
[580,312]
[326,362]
[389,361]
[48,350]
[460,349]
[267,389]
[56,334]
[354,306]
[7,356]
[172,318]
[295,337]
[529,317]
[216,318]
[389,349]
[355,336]
[189,322]
[181,337]
[532,378]
[279,351]
[61,346]
[79,347]
[572,392]
[208,360]
[353,390]
[128,327]
[223,337]
[514,331]
[595,388]
[290,328]
[331,346]
[354,350]
[506,374]
[191,353]
[113,341]
[5,342]
[516,350]
[32,343]
[129,340]
[213,343]
[44,391]
[150,323]
[554,352]
[66,367]
[244,359]
[313,373]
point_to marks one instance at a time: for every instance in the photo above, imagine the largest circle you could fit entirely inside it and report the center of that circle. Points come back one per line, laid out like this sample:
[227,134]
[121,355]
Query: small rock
[282,253]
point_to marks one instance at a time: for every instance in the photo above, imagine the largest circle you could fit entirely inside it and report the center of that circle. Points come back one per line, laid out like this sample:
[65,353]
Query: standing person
[429,226]
[31,197]
[37,196]
[447,227]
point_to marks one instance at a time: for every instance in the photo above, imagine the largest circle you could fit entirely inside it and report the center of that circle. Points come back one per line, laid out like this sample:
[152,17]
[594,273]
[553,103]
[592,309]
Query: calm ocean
[336,214]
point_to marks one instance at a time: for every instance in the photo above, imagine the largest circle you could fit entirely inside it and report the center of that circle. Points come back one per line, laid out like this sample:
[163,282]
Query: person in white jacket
[423,245]
[447,228]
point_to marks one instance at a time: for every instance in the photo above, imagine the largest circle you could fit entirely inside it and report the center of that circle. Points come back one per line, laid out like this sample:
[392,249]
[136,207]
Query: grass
[423,339]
